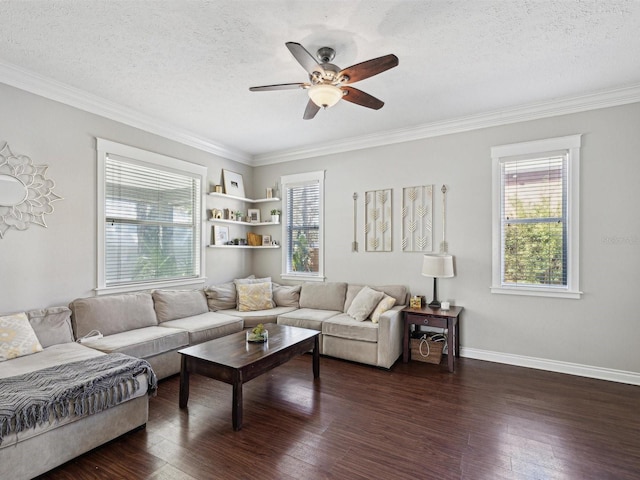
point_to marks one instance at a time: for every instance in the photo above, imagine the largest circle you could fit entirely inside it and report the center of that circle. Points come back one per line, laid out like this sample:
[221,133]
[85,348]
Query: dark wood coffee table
[233,360]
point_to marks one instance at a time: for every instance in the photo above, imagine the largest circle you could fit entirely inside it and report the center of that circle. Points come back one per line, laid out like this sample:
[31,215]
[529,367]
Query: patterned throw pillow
[254,296]
[385,304]
[17,337]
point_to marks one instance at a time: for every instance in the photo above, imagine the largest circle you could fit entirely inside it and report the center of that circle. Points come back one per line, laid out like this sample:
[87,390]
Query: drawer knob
[426,321]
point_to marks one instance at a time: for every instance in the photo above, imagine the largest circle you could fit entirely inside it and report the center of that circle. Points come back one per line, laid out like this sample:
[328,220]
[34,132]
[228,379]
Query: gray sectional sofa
[151,325]
[28,452]
[357,323]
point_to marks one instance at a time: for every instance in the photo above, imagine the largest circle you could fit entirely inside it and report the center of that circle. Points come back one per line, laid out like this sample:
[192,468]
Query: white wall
[43,267]
[601,330]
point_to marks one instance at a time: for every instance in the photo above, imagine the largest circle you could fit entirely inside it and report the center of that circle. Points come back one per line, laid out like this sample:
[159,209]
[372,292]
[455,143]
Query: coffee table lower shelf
[231,359]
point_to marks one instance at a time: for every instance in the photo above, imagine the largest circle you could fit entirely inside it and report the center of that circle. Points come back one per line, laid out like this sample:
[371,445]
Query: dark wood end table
[439,318]
[233,360]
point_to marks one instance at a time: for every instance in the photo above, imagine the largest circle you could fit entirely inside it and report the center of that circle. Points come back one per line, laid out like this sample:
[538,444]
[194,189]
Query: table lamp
[437,266]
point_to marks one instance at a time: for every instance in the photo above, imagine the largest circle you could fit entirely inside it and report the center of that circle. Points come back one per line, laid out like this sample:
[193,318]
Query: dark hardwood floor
[417,421]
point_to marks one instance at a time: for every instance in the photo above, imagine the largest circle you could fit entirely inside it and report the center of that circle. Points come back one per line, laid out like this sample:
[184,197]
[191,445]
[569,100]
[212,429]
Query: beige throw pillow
[221,297]
[364,303]
[385,304]
[254,296]
[17,337]
[286,296]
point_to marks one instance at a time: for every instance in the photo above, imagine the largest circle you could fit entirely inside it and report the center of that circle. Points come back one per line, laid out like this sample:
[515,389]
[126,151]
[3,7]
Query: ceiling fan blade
[304,58]
[281,86]
[311,110]
[367,69]
[359,97]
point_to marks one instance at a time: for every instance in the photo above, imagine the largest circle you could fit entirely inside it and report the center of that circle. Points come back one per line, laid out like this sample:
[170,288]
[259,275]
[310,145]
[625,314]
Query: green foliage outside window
[534,250]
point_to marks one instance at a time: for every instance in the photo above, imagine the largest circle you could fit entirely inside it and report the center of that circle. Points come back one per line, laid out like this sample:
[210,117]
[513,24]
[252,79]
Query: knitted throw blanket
[84,387]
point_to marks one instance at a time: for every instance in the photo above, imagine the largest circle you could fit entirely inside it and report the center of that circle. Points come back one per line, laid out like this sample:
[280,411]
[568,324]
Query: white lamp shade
[437,266]
[324,95]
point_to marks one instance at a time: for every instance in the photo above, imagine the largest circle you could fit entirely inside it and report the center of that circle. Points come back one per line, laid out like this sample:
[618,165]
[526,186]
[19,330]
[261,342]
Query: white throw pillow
[254,296]
[17,337]
[364,303]
[385,304]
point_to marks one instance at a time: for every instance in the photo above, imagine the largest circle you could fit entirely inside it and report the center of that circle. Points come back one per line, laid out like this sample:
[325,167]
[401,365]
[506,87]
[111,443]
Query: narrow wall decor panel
[417,219]
[378,220]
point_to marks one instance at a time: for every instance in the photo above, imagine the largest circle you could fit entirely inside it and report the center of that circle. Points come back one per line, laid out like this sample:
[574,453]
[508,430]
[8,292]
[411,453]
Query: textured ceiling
[189,64]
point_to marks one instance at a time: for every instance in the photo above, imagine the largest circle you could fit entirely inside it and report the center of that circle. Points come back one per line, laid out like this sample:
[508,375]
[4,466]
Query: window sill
[306,278]
[537,292]
[135,287]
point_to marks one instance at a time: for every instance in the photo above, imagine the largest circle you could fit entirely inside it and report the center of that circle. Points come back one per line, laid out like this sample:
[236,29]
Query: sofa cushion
[221,297]
[174,304]
[17,337]
[286,296]
[385,304]
[345,326]
[364,303]
[113,313]
[52,325]
[399,292]
[206,326]
[142,342]
[307,318]
[323,296]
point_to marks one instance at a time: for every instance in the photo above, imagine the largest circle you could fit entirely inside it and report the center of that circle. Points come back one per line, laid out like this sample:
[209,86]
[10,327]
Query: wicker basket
[254,240]
[431,352]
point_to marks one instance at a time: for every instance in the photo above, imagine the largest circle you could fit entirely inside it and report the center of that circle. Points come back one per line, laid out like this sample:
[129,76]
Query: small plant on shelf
[275,215]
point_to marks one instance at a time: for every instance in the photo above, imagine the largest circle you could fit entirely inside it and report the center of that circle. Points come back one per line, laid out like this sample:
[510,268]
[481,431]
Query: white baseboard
[609,374]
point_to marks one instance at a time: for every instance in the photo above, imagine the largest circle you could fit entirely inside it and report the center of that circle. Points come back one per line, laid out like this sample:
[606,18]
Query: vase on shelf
[275,218]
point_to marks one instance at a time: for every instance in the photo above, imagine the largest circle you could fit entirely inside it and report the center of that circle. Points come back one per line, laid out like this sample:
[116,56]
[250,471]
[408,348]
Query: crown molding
[60,92]
[54,90]
[523,113]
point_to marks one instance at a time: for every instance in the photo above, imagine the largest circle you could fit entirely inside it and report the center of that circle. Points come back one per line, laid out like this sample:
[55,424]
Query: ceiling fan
[328,84]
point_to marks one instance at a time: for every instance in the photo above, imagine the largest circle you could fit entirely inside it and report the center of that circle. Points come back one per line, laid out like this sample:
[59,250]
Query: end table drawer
[430,321]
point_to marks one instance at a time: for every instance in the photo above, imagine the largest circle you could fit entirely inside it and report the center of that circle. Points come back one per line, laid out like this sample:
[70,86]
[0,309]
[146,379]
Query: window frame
[295,180]
[151,159]
[569,146]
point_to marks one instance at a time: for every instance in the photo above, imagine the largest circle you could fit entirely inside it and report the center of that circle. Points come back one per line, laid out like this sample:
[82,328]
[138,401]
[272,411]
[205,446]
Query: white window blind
[303,220]
[536,217]
[152,223]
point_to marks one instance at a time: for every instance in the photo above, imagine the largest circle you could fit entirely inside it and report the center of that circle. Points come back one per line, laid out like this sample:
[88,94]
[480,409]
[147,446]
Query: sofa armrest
[390,336]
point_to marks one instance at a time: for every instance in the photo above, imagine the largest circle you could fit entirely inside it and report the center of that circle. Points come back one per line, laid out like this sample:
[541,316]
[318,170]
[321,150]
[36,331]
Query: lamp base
[435,305]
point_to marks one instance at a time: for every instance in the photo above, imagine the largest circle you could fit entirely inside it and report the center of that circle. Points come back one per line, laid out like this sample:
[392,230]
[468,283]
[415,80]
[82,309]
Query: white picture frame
[254,215]
[233,184]
[266,240]
[220,235]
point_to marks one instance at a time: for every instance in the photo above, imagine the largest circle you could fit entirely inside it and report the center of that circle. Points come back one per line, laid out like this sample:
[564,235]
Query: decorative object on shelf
[266,240]
[254,215]
[258,334]
[238,215]
[444,245]
[254,240]
[378,220]
[216,214]
[220,235]
[269,192]
[437,266]
[445,305]
[233,184]
[275,215]
[227,214]
[25,193]
[217,188]
[417,218]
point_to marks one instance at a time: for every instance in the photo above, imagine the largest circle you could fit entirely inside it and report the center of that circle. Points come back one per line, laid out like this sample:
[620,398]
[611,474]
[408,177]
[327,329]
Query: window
[150,219]
[303,206]
[535,217]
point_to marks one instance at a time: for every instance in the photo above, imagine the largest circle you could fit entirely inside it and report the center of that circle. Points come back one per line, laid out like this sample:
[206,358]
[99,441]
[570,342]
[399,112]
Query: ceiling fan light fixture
[325,95]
